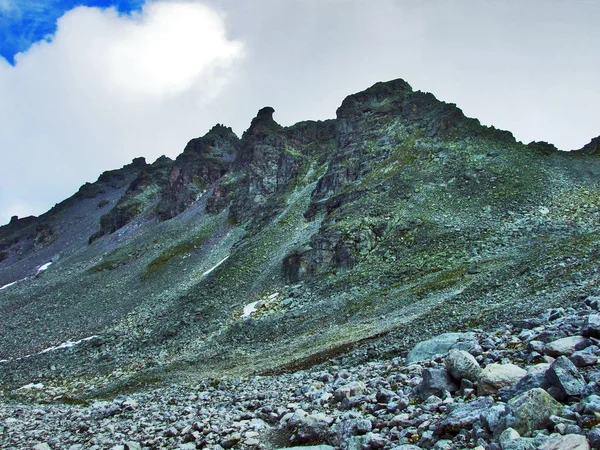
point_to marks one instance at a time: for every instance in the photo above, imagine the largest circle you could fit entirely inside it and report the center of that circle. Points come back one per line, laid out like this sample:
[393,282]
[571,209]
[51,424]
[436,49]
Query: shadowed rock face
[399,219]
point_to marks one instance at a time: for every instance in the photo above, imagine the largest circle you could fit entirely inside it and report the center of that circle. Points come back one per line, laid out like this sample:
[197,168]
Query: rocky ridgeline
[534,384]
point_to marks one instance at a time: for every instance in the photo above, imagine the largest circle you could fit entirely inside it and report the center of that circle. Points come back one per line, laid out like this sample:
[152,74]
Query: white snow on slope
[215,266]
[44,267]
[67,344]
[13,283]
[251,308]
[30,386]
[8,285]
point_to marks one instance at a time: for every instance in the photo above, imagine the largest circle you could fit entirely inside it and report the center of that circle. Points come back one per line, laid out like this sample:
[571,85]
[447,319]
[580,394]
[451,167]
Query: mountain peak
[263,123]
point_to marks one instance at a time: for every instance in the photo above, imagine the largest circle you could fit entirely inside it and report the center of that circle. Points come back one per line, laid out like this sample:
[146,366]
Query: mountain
[350,238]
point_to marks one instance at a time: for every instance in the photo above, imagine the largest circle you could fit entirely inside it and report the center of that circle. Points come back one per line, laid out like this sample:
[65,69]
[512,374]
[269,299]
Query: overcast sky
[100,86]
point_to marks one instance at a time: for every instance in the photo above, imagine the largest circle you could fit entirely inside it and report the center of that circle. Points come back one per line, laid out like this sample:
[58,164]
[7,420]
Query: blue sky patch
[23,23]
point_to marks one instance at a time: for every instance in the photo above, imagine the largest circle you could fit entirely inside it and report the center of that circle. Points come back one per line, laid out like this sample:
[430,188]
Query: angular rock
[594,437]
[493,418]
[132,445]
[593,302]
[435,382]
[309,447]
[309,426]
[531,411]
[536,377]
[566,346]
[462,365]
[463,416]
[565,377]
[583,358]
[440,345]
[566,442]
[496,376]
[591,326]
[349,390]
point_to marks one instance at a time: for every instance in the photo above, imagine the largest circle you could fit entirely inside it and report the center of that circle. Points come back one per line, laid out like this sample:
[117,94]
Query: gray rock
[464,415]
[496,376]
[41,446]
[462,365]
[591,326]
[493,418]
[531,411]
[536,377]
[308,426]
[349,390]
[566,442]
[131,445]
[563,375]
[374,441]
[435,382]
[351,424]
[594,437]
[566,346]
[591,404]
[309,447]
[443,444]
[593,302]
[406,447]
[583,358]
[440,345]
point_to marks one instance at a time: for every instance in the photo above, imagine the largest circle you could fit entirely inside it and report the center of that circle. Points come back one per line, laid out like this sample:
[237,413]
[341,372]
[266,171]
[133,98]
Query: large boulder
[496,376]
[591,326]
[309,427]
[567,346]
[435,382]
[566,442]
[536,377]
[462,365]
[531,411]
[464,415]
[349,390]
[440,345]
[565,378]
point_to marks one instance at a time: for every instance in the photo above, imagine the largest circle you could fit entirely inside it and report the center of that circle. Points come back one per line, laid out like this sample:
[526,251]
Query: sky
[88,85]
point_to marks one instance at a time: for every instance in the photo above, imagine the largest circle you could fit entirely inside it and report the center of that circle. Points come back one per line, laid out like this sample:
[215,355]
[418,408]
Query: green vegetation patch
[183,247]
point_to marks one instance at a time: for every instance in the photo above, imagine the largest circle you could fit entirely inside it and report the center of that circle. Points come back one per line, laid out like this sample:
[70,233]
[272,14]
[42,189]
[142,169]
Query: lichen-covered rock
[462,365]
[440,345]
[531,411]
[463,416]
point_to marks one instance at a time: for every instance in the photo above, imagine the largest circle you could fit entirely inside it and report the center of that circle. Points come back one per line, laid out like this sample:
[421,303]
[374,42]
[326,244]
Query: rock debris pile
[533,384]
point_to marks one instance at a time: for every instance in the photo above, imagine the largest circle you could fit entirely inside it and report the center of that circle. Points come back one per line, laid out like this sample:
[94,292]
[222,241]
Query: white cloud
[105,89]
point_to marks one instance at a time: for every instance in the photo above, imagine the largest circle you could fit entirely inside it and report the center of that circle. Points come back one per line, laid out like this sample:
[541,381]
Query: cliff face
[396,220]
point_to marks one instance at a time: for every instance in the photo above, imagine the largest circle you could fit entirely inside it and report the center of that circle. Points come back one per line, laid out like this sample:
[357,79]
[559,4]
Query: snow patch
[13,283]
[44,267]
[251,308]
[30,386]
[8,285]
[215,266]
[67,344]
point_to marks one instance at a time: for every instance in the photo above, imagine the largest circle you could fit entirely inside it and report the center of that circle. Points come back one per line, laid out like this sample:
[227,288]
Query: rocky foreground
[534,384]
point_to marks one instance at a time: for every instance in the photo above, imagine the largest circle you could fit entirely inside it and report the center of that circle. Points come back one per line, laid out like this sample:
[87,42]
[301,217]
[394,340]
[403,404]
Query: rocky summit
[398,277]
